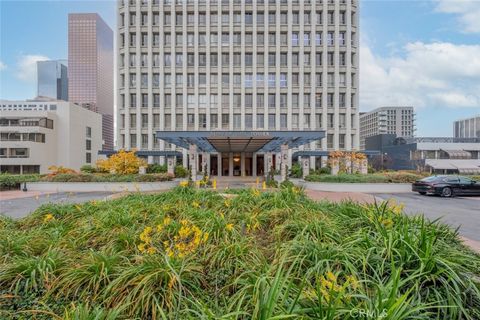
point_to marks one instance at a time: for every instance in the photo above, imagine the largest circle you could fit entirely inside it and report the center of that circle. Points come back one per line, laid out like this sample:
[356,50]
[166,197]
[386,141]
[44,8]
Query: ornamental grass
[197,254]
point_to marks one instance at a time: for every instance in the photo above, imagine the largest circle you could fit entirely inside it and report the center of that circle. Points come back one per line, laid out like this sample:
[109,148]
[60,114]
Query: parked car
[447,186]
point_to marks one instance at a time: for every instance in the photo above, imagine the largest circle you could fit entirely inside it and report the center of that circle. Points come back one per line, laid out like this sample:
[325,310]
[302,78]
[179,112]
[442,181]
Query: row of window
[237,38]
[16,136]
[237,18]
[249,80]
[212,60]
[272,101]
[226,2]
[260,118]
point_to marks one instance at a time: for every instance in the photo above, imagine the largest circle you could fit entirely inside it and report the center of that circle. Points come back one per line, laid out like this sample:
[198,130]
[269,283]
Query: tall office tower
[467,128]
[90,68]
[252,65]
[387,120]
[52,79]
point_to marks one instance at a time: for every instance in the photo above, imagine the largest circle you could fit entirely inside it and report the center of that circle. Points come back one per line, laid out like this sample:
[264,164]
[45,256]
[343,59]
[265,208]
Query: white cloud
[3,66]
[27,67]
[424,75]
[468,12]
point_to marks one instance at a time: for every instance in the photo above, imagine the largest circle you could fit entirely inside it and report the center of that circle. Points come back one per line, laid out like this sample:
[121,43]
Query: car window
[430,179]
[465,180]
[450,180]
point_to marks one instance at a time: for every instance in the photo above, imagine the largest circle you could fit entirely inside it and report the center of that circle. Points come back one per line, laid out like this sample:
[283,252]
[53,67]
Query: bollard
[264,185]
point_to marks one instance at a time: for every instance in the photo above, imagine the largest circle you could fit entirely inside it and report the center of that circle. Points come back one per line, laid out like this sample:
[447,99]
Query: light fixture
[236,159]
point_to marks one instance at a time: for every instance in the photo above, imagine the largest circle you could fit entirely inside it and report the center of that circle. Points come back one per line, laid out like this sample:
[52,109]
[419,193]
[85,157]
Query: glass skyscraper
[90,67]
[52,79]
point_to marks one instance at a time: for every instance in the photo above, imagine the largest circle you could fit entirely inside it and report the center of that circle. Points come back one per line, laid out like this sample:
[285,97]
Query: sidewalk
[18,194]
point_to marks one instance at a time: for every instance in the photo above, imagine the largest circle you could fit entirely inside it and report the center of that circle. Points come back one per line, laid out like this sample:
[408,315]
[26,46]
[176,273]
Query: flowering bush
[122,162]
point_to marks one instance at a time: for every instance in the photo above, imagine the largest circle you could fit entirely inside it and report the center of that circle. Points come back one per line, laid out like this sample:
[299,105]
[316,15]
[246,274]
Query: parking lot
[462,212]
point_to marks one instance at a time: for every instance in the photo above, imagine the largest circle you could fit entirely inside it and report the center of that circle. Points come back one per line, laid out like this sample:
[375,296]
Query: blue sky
[420,53]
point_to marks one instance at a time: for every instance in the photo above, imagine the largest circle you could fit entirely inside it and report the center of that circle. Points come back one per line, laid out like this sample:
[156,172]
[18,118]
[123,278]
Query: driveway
[20,207]
[462,212]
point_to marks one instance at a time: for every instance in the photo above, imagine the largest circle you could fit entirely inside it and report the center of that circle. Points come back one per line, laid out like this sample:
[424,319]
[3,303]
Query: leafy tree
[123,162]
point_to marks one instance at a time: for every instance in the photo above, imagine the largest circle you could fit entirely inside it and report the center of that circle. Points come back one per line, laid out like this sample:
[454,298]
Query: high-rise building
[467,128]
[237,67]
[90,68]
[52,79]
[387,120]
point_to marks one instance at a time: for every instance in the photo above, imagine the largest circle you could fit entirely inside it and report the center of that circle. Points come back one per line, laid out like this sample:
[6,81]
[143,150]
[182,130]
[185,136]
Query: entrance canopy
[239,141]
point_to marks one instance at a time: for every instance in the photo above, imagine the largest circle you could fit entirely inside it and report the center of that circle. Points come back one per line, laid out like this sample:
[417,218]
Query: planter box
[100,186]
[358,187]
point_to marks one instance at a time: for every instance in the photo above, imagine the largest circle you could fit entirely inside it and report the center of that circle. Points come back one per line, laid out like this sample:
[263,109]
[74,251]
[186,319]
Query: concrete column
[171,165]
[324,161]
[207,162]
[267,163]
[230,164]
[305,166]
[192,154]
[242,164]
[204,162]
[219,165]
[283,163]
[254,165]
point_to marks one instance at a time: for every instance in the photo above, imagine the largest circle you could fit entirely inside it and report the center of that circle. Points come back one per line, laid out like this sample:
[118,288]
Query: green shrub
[156,168]
[88,169]
[181,171]
[197,254]
[322,170]
[296,171]
[13,181]
[383,177]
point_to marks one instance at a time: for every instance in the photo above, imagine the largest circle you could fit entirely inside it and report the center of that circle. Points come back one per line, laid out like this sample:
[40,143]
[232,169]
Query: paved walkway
[22,206]
[340,196]
[17,194]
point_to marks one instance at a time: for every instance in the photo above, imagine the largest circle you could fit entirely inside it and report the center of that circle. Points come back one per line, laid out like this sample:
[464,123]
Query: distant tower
[52,79]
[90,68]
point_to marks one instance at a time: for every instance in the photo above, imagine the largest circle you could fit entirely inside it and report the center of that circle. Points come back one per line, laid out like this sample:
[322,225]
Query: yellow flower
[171,283]
[350,279]
[255,192]
[184,183]
[48,217]
[196,204]
[229,227]
[151,250]
[159,228]
[166,221]
[331,276]
[141,247]
[227,203]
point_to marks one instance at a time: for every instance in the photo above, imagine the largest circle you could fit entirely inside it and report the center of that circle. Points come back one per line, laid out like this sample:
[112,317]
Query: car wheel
[447,192]
[423,193]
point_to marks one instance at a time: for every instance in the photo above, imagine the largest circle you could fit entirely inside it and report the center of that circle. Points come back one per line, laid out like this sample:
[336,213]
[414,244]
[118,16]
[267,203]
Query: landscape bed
[196,254]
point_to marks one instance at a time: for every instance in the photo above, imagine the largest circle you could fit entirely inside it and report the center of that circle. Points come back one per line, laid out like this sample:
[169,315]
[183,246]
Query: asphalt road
[462,212]
[19,208]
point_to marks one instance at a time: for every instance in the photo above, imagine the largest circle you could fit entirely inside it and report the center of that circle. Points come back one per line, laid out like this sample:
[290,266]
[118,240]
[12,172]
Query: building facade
[387,120]
[90,68]
[239,66]
[467,128]
[36,134]
[52,79]
[435,154]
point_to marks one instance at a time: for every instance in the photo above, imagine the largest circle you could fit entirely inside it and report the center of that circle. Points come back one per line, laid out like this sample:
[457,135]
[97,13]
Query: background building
[387,120]
[36,134]
[90,68]
[52,79]
[237,65]
[467,128]
[434,154]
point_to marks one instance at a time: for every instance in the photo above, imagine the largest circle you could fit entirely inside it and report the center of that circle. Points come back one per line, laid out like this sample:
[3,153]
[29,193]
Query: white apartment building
[387,120]
[467,128]
[36,134]
[212,73]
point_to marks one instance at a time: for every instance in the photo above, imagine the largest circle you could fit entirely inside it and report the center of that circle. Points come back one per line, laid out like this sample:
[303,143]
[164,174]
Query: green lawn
[195,254]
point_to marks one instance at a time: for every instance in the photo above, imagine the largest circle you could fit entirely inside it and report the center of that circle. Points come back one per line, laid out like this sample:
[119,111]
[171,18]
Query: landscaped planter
[357,187]
[100,186]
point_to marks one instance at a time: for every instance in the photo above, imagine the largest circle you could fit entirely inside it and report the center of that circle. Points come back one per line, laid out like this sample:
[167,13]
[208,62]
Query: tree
[122,162]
